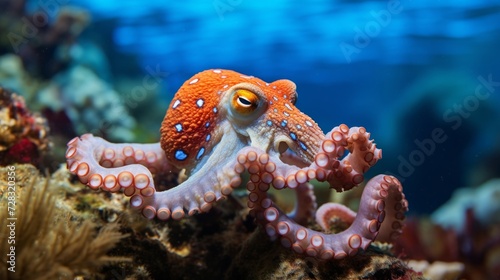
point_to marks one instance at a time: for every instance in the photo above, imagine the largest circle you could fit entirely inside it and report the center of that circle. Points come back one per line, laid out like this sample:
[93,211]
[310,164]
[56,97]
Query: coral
[23,135]
[438,270]
[95,106]
[30,35]
[49,243]
[41,58]
[483,200]
[476,246]
[14,76]
[76,94]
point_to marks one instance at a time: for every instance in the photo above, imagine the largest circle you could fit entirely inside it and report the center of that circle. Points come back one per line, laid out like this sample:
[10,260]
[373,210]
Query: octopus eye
[245,101]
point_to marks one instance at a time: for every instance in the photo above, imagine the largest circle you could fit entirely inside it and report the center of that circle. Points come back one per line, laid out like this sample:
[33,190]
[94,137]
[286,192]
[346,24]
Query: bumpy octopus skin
[221,124]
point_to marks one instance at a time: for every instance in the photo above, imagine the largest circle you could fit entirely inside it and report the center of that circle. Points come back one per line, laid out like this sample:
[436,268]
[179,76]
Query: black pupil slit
[244,101]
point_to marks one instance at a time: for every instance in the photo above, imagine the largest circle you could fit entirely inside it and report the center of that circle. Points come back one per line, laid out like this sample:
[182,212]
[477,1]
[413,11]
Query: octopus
[222,124]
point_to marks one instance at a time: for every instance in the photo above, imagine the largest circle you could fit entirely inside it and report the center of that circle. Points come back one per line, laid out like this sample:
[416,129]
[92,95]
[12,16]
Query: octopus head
[215,105]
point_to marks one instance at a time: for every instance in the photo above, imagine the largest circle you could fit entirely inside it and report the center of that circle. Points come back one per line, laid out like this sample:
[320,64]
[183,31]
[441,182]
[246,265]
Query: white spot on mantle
[194,81]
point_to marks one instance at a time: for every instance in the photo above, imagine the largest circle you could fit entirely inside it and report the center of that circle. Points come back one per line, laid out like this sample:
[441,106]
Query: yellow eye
[245,101]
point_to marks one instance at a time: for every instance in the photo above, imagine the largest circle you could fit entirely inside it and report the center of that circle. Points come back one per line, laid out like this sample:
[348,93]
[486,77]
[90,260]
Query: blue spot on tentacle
[269,123]
[283,123]
[208,137]
[180,155]
[293,136]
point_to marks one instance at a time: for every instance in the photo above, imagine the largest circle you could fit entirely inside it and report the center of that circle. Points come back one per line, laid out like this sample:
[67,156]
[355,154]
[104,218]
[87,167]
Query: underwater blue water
[395,67]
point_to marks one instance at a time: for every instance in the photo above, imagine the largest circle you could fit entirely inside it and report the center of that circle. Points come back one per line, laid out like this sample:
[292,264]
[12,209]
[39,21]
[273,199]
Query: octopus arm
[215,179]
[382,206]
[113,167]
[365,228]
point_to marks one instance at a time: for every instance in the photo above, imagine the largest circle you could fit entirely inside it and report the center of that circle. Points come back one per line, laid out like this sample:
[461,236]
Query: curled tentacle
[379,195]
[113,167]
[387,194]
[129,167]
[348,172]
[382,197]
[330,210]
[342,174]
[305,204]
[262,168]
